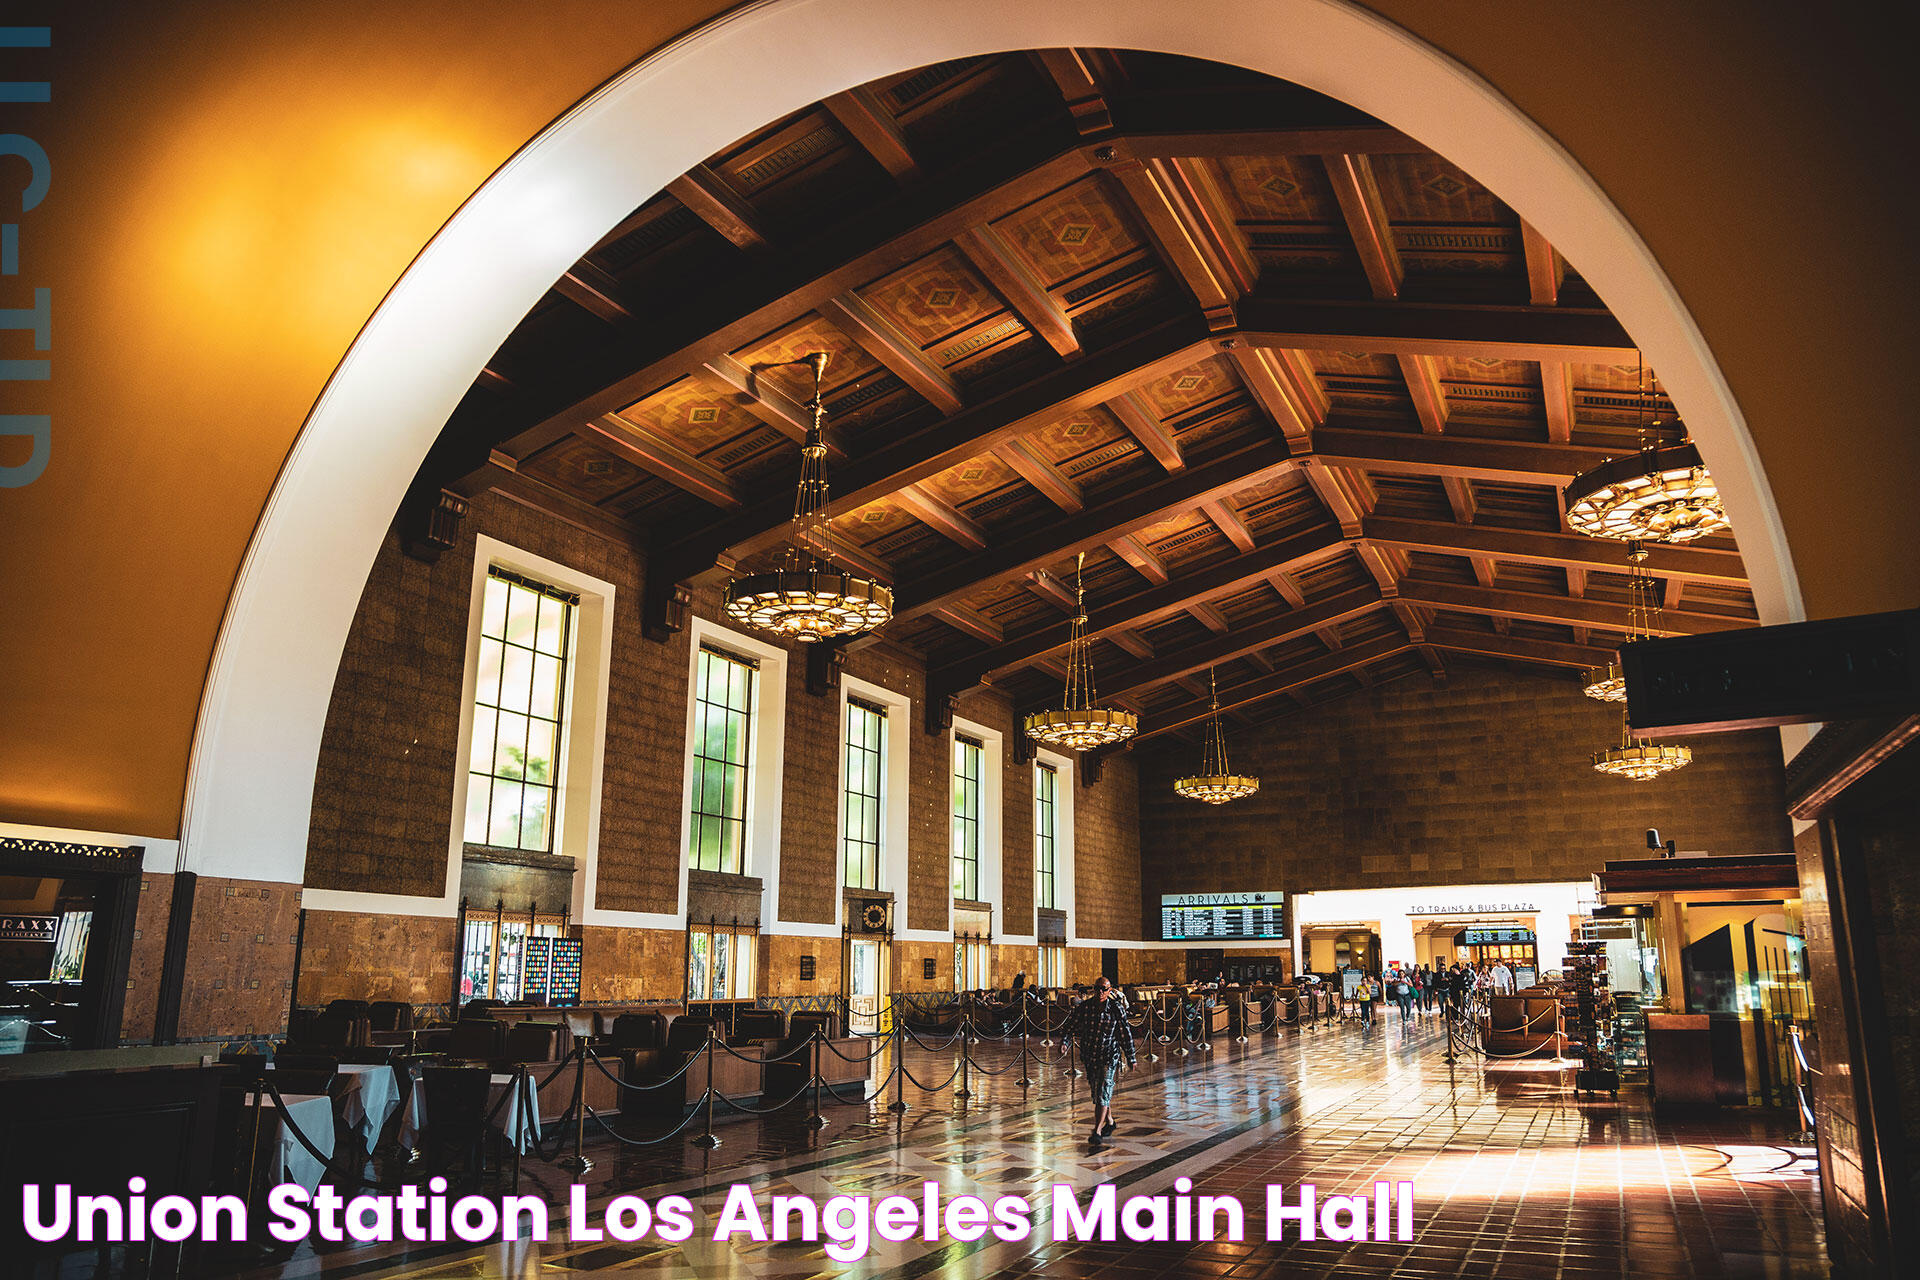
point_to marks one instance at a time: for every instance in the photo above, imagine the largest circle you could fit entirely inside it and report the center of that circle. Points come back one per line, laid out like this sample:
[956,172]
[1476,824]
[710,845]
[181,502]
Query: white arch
[256,745]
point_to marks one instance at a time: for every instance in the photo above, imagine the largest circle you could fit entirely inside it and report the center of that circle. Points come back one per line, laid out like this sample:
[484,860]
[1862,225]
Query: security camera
[1653,839]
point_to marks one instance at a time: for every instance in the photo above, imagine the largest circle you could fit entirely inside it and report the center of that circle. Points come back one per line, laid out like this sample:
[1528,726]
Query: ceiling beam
[1143,608]
[1144,425]
[971,621]
[1009,276]
[1347,496]
[1147,505]
[501,476]
[898,354]
[1143,138]
[1552,653]
[1556,387]
[1546,269]
[1532,606]
[1359,198]
[1260,688]
[1074,76]
[1404,453]
[1238,642]
[1137,554]
[1270,382]
[1429,397]
[1692,563]
[1195,236]
[586,285]
[1460,497]
[1131,641]
[1290,591]
[709,198]
[662,458]
[1229,523]
[776,290]
[942,517]
[863,115]
[912,457]
[1210,617]
[1472,331]
[769,403]
[1053,484]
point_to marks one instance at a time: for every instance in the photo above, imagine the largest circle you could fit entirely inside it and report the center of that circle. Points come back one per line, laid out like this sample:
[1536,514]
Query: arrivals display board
[1196,916]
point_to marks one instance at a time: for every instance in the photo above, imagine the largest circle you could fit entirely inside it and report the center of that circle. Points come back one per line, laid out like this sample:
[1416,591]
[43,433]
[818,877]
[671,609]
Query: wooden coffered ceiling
[1302,391]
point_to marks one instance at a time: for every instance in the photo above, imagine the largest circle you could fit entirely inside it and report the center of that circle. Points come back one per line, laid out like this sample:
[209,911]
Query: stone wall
[1487,779]
[383,794]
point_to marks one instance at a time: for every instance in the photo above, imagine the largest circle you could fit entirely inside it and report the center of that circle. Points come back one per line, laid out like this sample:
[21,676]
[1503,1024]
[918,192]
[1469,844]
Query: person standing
[1404,990]
[1100,1028]
[1363,996]
[1502,978]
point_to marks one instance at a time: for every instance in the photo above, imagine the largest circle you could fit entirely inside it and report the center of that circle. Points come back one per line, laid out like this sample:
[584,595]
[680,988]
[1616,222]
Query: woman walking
[1099,1026]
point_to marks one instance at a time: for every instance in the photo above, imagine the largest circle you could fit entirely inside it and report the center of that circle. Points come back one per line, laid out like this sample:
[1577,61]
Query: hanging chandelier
[1081,724]
[1661,494]
[1216,783]
[1640,761]
[1609,683]
[805,597]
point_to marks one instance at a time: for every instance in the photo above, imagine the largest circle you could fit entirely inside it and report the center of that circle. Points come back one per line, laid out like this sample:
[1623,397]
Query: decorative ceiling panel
[1071,235]
[933,299]
[582,468]
[694,415]
[847,363]
[1187,390]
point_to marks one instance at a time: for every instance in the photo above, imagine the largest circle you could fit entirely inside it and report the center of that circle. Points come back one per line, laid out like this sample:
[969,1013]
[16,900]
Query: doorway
[867,1011]
[66,943]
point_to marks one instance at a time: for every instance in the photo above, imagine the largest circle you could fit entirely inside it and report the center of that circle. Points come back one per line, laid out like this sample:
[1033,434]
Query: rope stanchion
[1024,1081]
[577,1163]
[965,1091]
[899,1104]
[709,1140]
[814,1119]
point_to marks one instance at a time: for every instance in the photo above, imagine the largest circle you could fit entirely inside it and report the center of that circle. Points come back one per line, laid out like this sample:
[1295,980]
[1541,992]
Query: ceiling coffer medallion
[807,598]
[1081,723]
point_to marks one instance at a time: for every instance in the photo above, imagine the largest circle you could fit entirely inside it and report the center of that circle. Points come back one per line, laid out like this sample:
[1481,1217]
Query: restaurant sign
[29,928]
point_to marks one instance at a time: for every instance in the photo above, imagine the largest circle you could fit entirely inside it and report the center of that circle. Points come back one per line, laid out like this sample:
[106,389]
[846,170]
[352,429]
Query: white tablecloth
[284,1158]
[516,1119]
[371,1102]
[370,1098]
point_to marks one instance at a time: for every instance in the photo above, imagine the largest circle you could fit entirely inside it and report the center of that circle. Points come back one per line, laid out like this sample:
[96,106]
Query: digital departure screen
[1193,916]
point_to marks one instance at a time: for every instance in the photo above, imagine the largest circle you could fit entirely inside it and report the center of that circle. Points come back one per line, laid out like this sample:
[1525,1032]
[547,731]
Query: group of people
[1424,988]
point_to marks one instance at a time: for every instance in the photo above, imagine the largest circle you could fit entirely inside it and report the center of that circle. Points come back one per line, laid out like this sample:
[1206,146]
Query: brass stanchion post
[577,1163]
[708,1139]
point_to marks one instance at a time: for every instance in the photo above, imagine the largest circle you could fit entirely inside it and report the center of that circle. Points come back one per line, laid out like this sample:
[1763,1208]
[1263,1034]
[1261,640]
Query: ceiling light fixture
[805,597]
[1664,493]
[1081,724]
[1216,783]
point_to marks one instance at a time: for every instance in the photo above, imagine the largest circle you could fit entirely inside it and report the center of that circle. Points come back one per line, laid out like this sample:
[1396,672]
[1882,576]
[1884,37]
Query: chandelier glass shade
[1657,495]
[1080,723]
[806,597]
[1216,783]
[1607,684]
[1641,761]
